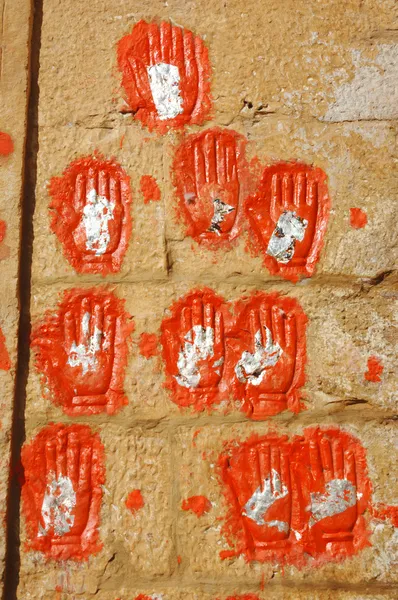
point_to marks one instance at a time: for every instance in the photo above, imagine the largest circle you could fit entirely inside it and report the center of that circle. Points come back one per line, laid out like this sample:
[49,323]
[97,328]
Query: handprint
[206,176]
[91,218]
[333,506]
[76,350]
[259,476]
[62,491]
[289,215]
[193,343]
[165,72]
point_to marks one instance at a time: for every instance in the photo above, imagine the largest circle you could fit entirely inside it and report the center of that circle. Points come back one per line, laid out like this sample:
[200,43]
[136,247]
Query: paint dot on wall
[149,189]
[3,229]
[197,504]
[375,369]
[358,218]
[6,144]
[148,345]
[5,362]
[384,512]
[134,501]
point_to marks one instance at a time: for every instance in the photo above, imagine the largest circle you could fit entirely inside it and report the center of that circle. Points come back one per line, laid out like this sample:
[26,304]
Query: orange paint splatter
[195,435]
[6,144]
[385,512]
[149,189]
[179,559]
[135,501]
[358,218]
[5,362]
[148,345]
[375,369]
[244,597]
[198,504]
[3,229]
[121,141]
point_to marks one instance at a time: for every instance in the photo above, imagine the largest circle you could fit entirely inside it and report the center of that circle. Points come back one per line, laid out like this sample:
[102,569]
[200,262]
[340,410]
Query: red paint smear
[197,504]
[5,362]
[149,44]
[290,187]
[375,369]
[100,389]
[135,501]
[6,144]
[244,597]
[3,230]
[143,597]
[186,313]
[384,512]
[73,451]
[280,387]
[195,435]
[149,345]
[149,189]
[68,200]
[179,559]
[358,218]
[303,464]
[210,166]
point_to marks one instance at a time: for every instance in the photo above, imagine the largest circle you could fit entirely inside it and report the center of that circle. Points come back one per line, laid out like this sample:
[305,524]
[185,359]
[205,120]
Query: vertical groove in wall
[12,561]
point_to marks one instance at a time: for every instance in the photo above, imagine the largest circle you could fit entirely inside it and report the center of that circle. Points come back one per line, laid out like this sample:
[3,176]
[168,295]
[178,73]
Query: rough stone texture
[313,82]
[14,40]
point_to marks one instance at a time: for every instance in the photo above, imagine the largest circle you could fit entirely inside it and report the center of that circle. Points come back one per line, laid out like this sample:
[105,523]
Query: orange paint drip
[82,351]
[149,189]
[197,504]
[211,178]
[375,369]
[289,499]
[6,144]
[384,512]
[358,218]
[183,60]
[3,230]
[62,492]
[288,217]
[179,559]
[5,362]
[135,501]
[90,214]
[148,345]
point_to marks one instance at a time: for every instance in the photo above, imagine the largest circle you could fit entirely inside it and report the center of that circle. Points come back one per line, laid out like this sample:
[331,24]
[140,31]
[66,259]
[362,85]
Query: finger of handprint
[209,151]
[97,320]
[191,68]
[85,318]
[255,329]
[197,312]
[287,190]
[186,322]
[254,466]
[177,49]
[69,329]
[276,196]
[275,470]
[199,162]
[61,454]
[115,191]
[220,162]
[103,184]
[92,178]
[291,332]
[285,468]
[326,457]
[264,458]
[72,457]
[219,334]
[79,197]
[300,189]
[232,170]
[140,77]
[85,467]
[266,322]
[315,461]
[278,326]
[155,56]
[51,463]
[350,471]
[166,42]
[208,316]
[110,321]
[338,459]
[312,193]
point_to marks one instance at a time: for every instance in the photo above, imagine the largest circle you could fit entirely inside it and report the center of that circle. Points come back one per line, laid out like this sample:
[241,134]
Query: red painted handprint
[82,350]
[166,75]
[62,491]
[91,214]
[288,216]
[206,172]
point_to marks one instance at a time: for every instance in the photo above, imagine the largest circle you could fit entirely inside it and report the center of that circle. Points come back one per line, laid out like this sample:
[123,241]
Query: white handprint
[84,355]
[97,212]
[263,498]
[164,80]
[199,345]
[339,495]
[289,229]
[251,367]
[57,510]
